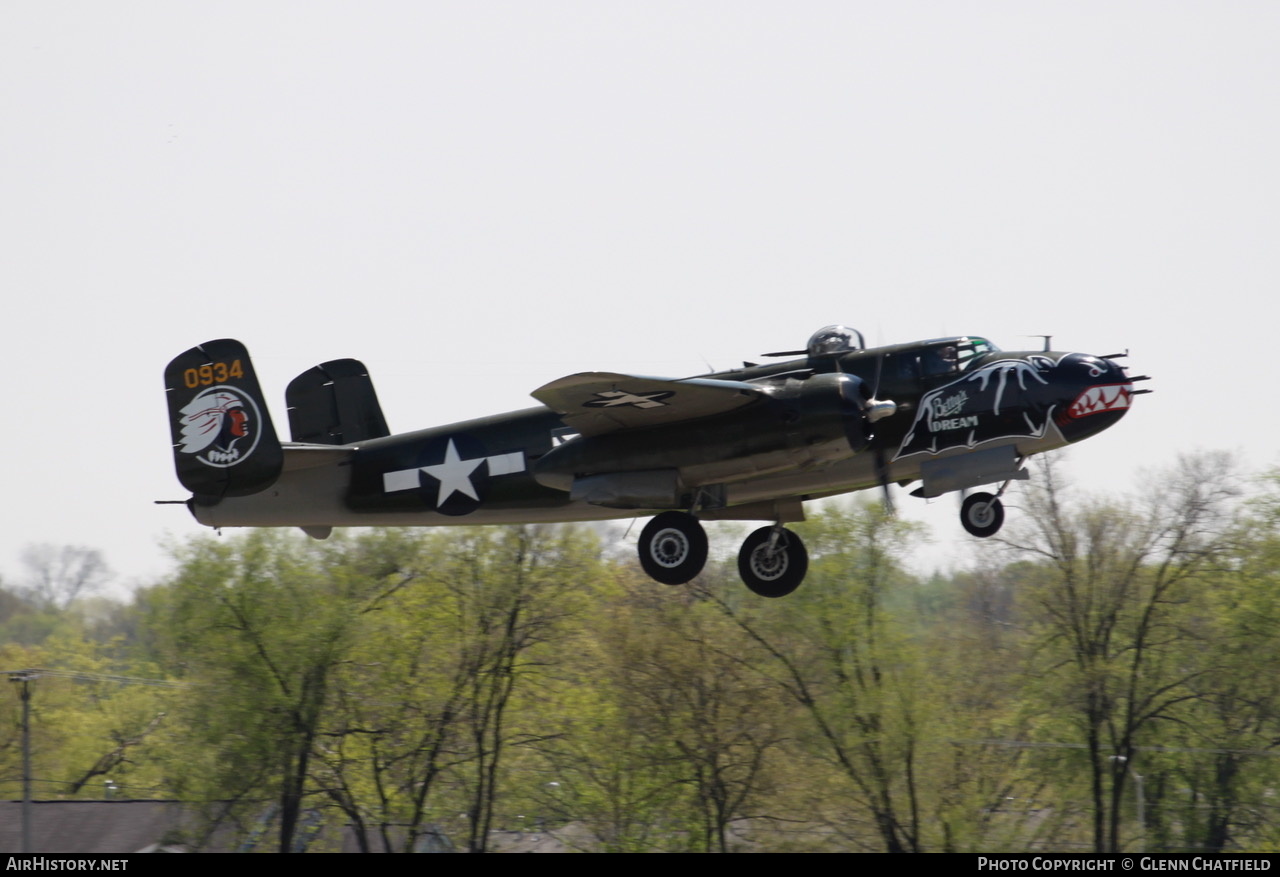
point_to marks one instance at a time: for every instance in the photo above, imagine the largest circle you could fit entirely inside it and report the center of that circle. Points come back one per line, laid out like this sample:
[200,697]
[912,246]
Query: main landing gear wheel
[773,570]
[673,548]
[982,514]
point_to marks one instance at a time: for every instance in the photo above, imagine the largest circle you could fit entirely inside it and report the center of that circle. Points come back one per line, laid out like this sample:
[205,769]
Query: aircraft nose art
[1100,392]
[1099,399]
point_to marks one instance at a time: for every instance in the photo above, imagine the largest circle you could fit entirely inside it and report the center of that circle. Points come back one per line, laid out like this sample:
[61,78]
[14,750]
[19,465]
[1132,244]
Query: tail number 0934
[212,373]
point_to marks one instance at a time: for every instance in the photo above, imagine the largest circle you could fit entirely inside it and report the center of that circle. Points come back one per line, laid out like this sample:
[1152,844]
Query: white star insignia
[454,475]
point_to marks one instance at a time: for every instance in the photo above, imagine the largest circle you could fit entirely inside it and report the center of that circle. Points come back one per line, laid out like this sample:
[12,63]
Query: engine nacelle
[829,408]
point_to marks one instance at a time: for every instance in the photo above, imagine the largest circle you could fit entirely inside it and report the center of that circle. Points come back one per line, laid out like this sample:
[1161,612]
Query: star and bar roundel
[452,474]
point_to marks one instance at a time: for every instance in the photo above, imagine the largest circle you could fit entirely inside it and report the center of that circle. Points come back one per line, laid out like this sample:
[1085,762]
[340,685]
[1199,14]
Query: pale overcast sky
[477,197]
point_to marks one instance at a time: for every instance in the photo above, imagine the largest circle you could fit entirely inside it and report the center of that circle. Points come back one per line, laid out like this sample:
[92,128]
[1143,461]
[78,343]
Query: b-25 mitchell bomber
[752,444]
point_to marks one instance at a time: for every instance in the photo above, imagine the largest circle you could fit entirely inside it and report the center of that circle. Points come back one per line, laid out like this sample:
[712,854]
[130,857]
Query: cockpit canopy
[835,339]
[943,356]
[972,347]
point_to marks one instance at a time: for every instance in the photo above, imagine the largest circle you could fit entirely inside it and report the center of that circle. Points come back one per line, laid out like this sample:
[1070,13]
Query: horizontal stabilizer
[597,403]
[298,456]
[334,404]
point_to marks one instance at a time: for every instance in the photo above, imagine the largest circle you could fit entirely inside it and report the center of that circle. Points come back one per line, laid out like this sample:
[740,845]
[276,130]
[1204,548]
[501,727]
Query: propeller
[882,476]
[875,411]
[834,342]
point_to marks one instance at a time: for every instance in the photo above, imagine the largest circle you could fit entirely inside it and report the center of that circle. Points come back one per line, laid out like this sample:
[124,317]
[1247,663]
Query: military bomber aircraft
[753,444]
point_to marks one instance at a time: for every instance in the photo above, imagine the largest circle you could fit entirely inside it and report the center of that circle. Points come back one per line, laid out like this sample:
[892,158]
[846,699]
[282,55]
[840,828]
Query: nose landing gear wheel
[776,571]
[673,548]
[982,514]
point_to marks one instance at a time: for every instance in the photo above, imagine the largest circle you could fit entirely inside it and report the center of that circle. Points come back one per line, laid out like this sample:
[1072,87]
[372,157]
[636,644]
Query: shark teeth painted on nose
[1096,400]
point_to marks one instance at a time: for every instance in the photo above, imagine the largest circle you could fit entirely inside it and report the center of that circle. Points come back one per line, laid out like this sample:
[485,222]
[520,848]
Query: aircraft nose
[1098,393]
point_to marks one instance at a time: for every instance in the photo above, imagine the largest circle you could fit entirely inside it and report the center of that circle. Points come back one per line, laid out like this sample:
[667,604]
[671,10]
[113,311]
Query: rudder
[223,441]
[334,404]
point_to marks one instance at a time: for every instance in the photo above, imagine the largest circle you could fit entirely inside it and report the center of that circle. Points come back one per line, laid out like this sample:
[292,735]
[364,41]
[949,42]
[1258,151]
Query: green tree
[842,657]
[258,626]
[611,771]
[1112,614]
[516,592]
[379,675]
[93,715]
[1212,785]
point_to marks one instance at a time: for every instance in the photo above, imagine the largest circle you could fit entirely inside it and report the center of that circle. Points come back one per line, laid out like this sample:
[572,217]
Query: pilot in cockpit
[940,360]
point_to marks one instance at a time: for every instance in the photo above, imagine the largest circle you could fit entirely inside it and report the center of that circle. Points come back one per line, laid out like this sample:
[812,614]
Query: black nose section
[1094,394]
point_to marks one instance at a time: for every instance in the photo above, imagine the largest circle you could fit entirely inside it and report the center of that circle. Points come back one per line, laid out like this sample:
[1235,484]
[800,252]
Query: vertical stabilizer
[223,440]
[334,404]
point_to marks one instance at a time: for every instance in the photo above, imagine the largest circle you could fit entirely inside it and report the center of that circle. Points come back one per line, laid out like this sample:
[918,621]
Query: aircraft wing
[596,403]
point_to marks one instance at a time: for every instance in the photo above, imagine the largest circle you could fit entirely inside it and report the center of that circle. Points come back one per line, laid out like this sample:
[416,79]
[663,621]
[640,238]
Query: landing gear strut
[673,548]
[773,561]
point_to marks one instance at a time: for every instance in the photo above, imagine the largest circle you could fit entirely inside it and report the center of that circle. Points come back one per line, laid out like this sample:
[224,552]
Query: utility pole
[25,677]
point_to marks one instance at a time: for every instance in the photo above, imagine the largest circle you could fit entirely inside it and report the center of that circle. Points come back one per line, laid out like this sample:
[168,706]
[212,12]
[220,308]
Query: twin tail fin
[223,441]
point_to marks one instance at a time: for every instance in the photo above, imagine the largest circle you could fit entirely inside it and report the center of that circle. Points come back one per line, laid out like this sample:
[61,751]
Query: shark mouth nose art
[1100,399]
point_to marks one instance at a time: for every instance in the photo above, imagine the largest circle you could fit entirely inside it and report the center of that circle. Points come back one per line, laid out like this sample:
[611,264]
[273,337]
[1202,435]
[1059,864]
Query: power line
[1027,744]
[33,673]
